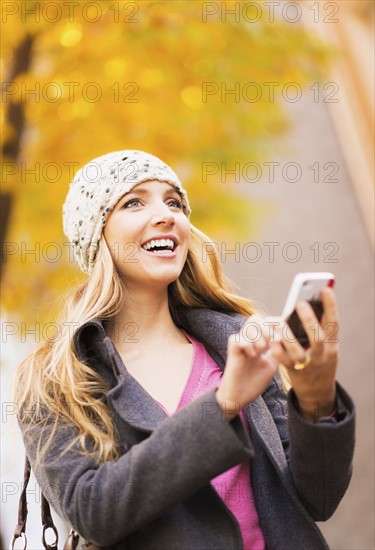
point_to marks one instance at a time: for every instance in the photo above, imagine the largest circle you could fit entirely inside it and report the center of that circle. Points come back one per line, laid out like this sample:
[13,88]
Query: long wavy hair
[53,386]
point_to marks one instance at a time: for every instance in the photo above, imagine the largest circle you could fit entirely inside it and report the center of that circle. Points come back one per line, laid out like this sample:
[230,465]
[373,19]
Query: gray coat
[157,495]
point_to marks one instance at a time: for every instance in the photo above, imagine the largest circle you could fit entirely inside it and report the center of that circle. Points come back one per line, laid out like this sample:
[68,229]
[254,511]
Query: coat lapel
[213,330]
[262,423]
[128,399]
[135,406]
[131,401]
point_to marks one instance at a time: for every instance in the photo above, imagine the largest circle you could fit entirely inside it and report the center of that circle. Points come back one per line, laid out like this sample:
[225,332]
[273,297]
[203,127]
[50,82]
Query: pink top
[233,486]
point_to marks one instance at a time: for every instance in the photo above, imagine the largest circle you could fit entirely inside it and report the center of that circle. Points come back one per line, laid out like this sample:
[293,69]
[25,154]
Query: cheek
[188,240]
[115,230]
[111,236]
[186,243]
[107,230]
[186,229]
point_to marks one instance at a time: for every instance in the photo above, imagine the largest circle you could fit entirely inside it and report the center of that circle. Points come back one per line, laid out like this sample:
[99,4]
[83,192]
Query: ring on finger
[301,366]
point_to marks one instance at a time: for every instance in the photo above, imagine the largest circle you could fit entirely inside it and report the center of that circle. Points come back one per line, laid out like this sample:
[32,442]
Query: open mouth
[160,246]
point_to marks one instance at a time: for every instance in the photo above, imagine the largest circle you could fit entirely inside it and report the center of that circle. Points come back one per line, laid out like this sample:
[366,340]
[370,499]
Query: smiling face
[148,235]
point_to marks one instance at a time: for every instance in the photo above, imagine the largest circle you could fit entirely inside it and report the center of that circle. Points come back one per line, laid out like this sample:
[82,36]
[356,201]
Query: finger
[251,331]
[291,345]
[251,349]
[279,352]
[272,328]
[268,327]
[330,318]
[262,344]
[329,304]
[310,323]
[269,359]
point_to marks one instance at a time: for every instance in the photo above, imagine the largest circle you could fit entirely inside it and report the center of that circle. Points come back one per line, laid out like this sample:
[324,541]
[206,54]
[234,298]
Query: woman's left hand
[314,385]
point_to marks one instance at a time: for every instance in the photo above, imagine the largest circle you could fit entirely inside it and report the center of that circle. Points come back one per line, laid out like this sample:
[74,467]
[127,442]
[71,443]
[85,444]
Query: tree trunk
[11,148]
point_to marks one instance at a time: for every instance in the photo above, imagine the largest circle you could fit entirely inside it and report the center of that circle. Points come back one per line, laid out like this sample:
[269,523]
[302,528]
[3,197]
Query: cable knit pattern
[98,186]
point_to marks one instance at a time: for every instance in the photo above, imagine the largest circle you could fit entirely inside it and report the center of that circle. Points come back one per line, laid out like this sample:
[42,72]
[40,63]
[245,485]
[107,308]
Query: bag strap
[72,541]
[47,521]
[20,530]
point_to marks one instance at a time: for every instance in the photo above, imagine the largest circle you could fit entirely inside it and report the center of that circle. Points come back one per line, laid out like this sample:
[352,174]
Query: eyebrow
[143,191]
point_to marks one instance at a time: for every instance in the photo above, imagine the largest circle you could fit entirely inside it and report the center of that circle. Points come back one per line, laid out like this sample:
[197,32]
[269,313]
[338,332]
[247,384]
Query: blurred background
[264,109]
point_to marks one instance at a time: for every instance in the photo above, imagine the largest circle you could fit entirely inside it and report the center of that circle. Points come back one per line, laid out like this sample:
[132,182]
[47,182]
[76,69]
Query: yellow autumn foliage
[164,77]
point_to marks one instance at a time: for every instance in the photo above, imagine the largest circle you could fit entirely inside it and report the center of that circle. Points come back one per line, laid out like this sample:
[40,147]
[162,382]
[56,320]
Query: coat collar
[210,327]
[136,406]
[129,399]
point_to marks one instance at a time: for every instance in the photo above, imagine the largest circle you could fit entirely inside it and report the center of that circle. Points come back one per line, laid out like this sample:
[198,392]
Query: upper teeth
[159,242]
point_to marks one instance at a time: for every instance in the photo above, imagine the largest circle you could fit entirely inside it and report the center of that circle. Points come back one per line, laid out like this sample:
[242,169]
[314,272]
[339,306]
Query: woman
[157,418]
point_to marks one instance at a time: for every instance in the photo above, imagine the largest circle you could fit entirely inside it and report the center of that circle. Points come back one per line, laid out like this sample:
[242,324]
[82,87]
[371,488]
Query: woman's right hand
[249,369]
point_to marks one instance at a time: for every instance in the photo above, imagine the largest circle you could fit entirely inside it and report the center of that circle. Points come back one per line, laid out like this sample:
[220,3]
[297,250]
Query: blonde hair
[54,386]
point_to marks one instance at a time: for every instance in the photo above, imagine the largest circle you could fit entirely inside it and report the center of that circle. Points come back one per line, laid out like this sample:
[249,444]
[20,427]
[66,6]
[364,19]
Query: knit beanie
[98,186]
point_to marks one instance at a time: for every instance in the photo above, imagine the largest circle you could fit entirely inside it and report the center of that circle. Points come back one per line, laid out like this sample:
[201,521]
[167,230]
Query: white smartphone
[305,286]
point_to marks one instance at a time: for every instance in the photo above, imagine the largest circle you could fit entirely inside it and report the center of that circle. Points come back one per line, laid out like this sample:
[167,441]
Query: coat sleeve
[106,502]
[320,454]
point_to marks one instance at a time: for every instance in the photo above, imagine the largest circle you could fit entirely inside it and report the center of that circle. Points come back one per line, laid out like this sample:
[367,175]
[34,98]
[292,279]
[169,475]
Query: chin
[157,278]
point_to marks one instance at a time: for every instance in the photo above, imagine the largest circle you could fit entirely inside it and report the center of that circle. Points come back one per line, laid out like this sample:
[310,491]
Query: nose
[163,215]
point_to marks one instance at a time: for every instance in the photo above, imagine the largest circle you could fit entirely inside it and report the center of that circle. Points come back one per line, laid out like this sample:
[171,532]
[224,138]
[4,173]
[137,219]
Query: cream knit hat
[98,186]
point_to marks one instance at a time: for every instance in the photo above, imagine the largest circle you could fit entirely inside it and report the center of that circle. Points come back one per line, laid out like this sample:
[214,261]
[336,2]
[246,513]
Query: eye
[176,203]
[130,203]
